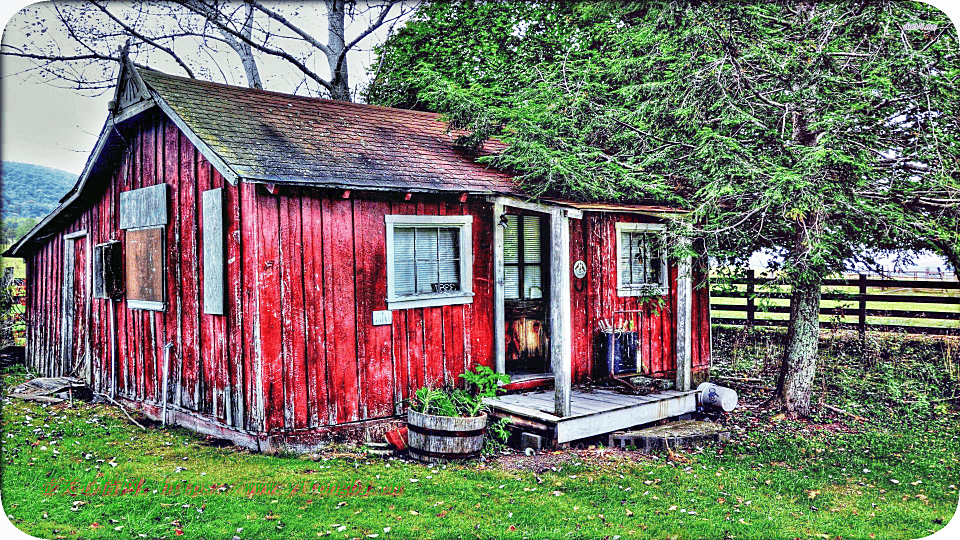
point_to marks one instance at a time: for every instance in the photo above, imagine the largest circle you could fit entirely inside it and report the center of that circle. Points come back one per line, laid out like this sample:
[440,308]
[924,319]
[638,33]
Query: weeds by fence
[863,304]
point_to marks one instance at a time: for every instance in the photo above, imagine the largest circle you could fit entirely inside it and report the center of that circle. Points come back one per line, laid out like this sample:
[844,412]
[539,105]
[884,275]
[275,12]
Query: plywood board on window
[144,265]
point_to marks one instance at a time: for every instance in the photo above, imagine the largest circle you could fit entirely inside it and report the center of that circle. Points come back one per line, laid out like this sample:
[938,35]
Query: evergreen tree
[821,131]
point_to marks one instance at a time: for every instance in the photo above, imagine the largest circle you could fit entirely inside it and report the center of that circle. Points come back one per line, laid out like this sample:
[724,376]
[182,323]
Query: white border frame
[464,225]
[664,287]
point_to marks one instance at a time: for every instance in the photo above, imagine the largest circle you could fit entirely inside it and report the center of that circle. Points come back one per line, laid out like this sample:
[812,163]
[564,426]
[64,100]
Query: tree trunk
[336,56]
[800,351]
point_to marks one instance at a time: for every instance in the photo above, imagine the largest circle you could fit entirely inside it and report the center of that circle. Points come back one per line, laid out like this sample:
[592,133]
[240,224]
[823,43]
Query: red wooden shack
[271,268]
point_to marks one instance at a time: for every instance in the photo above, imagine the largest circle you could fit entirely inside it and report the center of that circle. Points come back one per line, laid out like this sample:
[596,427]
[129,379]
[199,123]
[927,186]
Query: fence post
[862,309]
[751,306]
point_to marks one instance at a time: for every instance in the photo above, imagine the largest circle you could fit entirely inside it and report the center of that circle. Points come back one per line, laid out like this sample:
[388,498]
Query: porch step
[685,433]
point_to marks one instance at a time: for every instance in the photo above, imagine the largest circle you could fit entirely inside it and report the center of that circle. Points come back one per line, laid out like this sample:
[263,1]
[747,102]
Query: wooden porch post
[684,323]
[560,309]
[499,317]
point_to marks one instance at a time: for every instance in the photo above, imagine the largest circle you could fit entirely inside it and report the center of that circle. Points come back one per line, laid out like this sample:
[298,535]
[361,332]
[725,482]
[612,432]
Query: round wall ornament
[579,269]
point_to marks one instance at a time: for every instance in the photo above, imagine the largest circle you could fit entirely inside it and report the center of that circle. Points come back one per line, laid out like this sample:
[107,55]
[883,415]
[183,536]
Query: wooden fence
[854,304]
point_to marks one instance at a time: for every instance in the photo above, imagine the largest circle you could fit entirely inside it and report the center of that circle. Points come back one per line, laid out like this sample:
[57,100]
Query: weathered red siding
[322,274]
[594,298]
[296,351]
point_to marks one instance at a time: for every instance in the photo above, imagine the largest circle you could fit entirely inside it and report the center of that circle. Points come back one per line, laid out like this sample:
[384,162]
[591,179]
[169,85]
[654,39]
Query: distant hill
[33,191]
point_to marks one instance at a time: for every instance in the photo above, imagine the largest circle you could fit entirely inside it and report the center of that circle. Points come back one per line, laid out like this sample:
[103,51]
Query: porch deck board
[596,412]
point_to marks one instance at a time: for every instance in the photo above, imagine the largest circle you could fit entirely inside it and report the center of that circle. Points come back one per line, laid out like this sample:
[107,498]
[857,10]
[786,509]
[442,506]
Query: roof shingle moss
[282,138]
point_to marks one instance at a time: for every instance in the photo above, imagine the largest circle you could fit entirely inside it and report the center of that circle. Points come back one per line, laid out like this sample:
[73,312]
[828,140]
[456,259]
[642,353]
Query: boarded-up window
[641,264]
[143,263]
[429,261]
[143,213]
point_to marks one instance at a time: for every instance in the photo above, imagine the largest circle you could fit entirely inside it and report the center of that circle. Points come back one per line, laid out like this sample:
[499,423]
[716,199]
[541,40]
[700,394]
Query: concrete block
[529,440]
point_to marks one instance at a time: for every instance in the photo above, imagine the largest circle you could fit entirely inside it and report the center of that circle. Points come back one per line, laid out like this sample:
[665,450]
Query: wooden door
[76,357]
[525,294]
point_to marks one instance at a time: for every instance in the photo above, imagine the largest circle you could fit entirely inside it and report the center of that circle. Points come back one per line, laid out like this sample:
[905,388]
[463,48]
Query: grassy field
[19,268]
[893,474]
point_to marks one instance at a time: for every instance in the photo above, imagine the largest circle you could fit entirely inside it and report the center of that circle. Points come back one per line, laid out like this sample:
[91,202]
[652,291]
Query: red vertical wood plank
[340,307]
[670,361]
[453,321]
[694,322]
[579,328]
[209,345]
[374,344]
[190,343]
[361,305]
[432,327]
[401,355]
[479,318]
[270,307]
[253,364]
[218,326]
[703,330]
[314,300]
[291,300]
[593,245]
[173,321]
[235,306]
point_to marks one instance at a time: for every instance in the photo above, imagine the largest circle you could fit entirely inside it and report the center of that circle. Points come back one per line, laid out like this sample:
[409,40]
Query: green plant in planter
[451,401]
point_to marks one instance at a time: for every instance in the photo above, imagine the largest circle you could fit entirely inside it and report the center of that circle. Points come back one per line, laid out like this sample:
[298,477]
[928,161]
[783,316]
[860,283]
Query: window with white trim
[429,261]
[641,261]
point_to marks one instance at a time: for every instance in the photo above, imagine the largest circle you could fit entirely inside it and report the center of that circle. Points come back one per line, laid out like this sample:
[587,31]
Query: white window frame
[646,289]
[464,224]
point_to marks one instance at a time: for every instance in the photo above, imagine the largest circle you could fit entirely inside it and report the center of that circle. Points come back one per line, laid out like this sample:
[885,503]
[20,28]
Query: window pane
[531,239]
[426,276]
[511,244]
[533,288]
[653,261]
[403,244]
[639,260]
[426,246]
[626,277]
[449,247]
[404,264]
[511,283]
[144,264]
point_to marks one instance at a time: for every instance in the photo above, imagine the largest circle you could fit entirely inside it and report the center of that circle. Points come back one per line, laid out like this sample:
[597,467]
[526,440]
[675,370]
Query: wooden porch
[592,413]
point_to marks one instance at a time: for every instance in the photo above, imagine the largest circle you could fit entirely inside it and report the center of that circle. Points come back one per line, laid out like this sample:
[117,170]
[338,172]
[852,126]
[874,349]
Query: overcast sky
[57,127]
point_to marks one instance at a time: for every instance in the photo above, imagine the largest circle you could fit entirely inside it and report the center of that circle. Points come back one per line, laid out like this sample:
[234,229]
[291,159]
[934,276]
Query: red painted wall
[594,298]
[319,273]
[296,349]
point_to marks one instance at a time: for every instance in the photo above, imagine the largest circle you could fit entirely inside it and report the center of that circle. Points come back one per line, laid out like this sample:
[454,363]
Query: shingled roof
[285,139]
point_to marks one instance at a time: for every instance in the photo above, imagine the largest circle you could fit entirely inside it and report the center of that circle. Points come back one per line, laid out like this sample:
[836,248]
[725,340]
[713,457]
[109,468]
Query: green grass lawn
[778,478]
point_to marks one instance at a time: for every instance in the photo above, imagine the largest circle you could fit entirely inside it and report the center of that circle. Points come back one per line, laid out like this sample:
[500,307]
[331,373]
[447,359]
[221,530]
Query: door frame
[558,297]
[68,313]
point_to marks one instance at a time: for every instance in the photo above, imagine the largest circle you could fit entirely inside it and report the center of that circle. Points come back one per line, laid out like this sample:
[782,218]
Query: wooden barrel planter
[438,438]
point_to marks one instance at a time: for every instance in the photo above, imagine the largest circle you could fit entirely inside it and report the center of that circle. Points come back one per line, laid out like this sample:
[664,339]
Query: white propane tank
[720,397]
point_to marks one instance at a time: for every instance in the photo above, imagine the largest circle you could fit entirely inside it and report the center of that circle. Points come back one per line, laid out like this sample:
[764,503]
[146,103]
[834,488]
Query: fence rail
[940,293]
